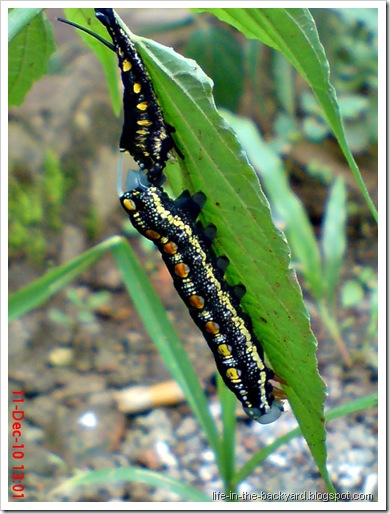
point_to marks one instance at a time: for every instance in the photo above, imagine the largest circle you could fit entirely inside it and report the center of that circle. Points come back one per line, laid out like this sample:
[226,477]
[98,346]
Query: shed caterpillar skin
[198,277]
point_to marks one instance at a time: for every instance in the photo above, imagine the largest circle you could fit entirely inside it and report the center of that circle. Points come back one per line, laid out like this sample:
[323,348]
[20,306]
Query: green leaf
[108,59]
[228,443]
[134,475]
[220,56]
[353,107]
[285,204]
[28,53]
[39,291]
[351,294]
[284,80]
[314,129]
[334,237]
[18,19]
[215,164]
[293,33]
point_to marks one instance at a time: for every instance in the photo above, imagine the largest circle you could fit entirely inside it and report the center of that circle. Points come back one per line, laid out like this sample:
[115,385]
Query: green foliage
[334,239]
[351,294]
[136,475]
[107,58]
[84,307]
[286,206]
[350,38]
[18,19]
[284,80]
[35,209]
[363,287]
[293,33]
[53,185]
[220,55]
[28,51]
[25,218]
[319,266]
[91,223]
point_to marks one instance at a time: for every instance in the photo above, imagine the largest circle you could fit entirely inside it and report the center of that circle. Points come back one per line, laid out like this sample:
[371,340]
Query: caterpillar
[145,134]
[198,277]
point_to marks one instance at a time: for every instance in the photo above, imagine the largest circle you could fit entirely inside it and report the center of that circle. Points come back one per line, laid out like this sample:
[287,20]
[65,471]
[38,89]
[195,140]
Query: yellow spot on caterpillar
[170,248]
[126,65]
[142,106]
[152,234]
[137,87]
[233,374]
[129,205]
[212,328]
[142,132]
[224,350]
[144,123]
[182,270]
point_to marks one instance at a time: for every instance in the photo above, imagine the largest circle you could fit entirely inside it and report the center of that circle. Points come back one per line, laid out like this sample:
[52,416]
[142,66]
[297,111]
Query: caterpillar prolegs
[198,277]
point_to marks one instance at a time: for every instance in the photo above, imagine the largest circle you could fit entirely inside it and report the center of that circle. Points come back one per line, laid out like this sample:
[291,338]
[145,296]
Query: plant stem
[330,321]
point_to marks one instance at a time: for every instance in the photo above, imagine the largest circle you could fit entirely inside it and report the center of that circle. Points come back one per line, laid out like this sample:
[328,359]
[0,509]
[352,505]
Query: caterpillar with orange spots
[198,277]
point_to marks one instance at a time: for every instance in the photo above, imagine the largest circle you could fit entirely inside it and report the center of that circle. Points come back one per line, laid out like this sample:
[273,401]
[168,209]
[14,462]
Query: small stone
[60,357]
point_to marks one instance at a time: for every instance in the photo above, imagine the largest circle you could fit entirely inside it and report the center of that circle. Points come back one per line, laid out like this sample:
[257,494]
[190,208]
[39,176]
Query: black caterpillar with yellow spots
[145,134]
[185,246]
[198,277]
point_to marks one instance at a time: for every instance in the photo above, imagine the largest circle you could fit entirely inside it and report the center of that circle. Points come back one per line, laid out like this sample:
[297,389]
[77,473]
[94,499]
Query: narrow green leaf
[334,237]
[255,59]
[345,409]
[160,329]
[228,442]
[293,32]
[367,402]
[108,59]
[135,475]
[28,54]
[39,291]
[284,81]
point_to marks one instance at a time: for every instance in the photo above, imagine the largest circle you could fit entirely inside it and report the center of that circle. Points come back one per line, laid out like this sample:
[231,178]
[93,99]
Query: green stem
[330,321]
